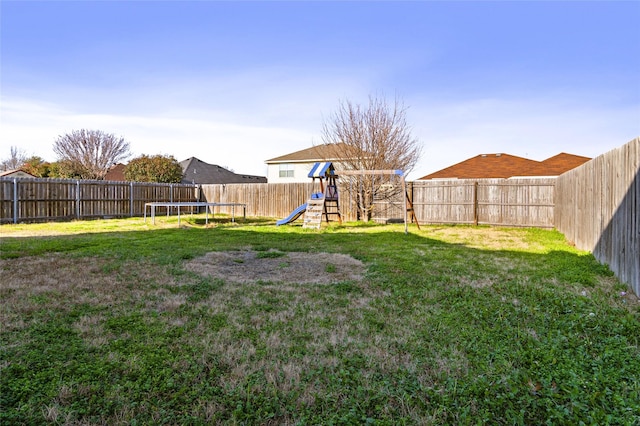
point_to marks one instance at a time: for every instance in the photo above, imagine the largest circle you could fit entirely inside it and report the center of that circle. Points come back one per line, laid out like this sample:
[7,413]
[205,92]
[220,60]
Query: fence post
[77,199]
[16,210]
[475,203]
[130,199]
[406,207]
[171,192]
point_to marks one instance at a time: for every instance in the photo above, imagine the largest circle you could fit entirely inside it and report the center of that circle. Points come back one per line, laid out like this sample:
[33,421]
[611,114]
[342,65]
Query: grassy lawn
[102,322]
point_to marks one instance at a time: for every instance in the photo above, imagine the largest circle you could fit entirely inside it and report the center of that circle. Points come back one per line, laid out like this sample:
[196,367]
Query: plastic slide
[293,216]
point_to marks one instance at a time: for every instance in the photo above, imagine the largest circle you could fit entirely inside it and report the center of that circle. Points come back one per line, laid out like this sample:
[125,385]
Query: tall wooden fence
[261,199]
[506,202]
[29,200]
[598,209]
[502,202]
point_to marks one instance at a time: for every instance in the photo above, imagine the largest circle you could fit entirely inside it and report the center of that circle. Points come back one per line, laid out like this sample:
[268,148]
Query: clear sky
[237,83]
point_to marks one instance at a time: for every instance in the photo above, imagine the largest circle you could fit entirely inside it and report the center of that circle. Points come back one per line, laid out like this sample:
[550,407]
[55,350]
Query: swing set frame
[408,210]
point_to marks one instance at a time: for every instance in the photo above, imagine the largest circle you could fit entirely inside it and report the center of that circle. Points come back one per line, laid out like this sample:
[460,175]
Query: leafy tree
[65,169]
[36,166]
[92,151]
[156,168]
[15,160]
[371,137]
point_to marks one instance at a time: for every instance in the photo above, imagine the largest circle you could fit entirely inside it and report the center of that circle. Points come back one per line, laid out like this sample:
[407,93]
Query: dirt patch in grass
[275,266]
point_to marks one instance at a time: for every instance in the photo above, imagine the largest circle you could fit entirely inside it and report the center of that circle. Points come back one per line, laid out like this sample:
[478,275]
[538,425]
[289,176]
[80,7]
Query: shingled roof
[197,171]
[16,173]
[563,162]
[324,152]
[116,173]
[488,166]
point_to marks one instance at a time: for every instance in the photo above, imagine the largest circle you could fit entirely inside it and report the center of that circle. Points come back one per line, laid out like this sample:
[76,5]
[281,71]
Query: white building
[295,167]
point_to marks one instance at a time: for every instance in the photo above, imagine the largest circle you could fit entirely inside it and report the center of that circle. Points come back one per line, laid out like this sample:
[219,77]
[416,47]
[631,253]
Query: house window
[286,170]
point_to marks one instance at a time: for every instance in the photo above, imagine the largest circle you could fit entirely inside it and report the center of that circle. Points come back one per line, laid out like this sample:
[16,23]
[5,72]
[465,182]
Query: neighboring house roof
[563,162]
[485,166]
[197,171]
[488,166]
[324,152]
[17,173]
[116,173]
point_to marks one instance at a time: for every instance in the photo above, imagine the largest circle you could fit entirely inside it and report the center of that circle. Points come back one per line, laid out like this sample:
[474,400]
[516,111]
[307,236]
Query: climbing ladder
[331,205]
[325,203]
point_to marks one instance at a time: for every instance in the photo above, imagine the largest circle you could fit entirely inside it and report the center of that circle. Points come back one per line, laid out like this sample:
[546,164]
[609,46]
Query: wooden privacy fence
[598,209]
[262,199]
[505,202]
[502,202]
[24,200]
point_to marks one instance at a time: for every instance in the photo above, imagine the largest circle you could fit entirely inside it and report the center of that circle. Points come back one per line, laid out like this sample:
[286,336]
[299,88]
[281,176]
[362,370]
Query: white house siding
[300,173]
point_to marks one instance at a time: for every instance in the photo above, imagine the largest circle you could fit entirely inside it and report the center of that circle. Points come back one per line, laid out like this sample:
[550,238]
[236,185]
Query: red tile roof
[488,166]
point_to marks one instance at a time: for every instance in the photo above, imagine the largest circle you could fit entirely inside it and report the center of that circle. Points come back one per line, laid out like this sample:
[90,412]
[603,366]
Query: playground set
[325,203]
[321,204]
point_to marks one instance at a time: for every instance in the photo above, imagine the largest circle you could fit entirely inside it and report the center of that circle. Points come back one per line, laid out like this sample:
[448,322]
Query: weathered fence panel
[25,200]
[440,201]
[501,202]
[516,202]
[262,199]
[39,200]
[598,209]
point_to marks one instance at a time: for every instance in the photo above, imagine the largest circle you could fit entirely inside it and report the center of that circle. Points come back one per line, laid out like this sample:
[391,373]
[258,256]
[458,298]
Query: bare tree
[16,159]
[371,137]
[93,150]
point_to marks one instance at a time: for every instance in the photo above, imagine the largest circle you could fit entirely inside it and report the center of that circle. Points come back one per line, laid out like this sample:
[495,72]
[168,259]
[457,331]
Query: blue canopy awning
[321,170]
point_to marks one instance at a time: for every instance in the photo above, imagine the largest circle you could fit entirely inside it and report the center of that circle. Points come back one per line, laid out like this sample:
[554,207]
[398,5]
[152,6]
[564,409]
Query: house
[199,172]
[115,173]
[16,174]
[563,162]
[195,171]
[295,167]
[491,166]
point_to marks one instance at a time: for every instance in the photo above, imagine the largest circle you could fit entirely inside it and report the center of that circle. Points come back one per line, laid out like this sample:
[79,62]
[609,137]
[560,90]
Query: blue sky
[237,83]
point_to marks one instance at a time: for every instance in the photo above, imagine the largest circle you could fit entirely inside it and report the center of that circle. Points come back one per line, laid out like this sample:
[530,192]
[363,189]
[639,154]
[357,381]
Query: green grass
[102,324]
